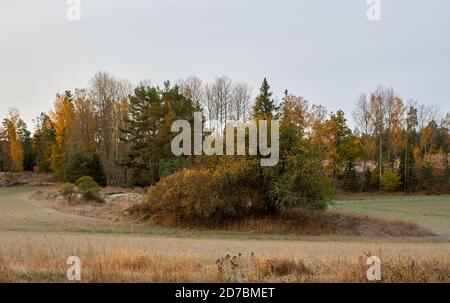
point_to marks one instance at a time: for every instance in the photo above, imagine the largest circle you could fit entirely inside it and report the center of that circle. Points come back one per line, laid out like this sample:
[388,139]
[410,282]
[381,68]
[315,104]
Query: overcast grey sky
[324,50]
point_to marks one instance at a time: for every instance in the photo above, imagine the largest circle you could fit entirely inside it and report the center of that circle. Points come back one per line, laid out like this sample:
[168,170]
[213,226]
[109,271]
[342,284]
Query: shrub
[201,194]
[81,165]
[196,195]
[186,195]
[233,188]
[390,180]
[303,184]
[89,189]
[68,191]
[243,184]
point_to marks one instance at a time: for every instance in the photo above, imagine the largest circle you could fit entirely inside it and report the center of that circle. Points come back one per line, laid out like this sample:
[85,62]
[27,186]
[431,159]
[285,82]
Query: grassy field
[432,212]
[36,240]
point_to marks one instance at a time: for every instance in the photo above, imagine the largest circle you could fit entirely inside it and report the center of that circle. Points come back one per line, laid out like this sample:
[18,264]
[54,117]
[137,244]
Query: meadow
[35,242]
[432,211]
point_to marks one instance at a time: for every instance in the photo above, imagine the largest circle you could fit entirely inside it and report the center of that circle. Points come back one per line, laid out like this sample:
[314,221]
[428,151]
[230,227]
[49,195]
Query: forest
[120,135]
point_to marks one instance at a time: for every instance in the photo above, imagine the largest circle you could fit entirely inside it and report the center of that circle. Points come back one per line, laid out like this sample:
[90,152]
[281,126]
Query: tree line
[121,135]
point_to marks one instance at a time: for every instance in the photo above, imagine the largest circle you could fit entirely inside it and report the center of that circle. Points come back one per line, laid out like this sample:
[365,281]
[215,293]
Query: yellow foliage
[63,121]
[204,194]
[15,146]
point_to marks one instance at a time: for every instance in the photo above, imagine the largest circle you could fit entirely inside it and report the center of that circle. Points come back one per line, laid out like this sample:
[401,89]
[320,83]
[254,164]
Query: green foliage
[151,113]
[390,180]
[407,170]
[367,180]
[168,167]
[350,178]
[77,167]
[375,179]
[348,148]
[97,172]
[235,187]
[68,191]
[303,184]
[29,158]
[81,165]
[264,107]
[43,140]
[431,180]
[89,189]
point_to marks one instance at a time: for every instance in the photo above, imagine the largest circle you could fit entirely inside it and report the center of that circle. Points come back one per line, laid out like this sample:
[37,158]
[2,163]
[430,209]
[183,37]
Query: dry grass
[25,178]
[297,223]
[142,266]
[432,212]
[35,242]
[291,222]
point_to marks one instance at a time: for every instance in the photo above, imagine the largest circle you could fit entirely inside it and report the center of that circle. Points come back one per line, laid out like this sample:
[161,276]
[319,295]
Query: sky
[324,50]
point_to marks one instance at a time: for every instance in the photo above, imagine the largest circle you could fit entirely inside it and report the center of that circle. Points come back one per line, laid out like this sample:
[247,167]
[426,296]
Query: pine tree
[148,131]
[264,107]
[97,171]
[142,127]
[24,135]
[407,157]
[81,165]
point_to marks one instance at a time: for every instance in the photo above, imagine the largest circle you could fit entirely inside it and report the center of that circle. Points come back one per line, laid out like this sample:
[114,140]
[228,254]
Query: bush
[198,195]
[304,185]
[68,191]
[81,165]
[390,180]
[186,195]
[234,188]
[89,189]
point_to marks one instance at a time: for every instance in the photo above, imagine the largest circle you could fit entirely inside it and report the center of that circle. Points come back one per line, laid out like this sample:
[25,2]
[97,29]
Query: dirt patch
[115,205]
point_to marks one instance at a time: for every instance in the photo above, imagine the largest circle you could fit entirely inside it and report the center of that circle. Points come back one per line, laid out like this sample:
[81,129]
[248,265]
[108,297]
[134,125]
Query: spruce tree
[264,107]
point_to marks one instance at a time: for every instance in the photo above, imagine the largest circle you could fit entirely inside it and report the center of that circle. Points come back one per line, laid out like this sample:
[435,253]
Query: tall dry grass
[144,266]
